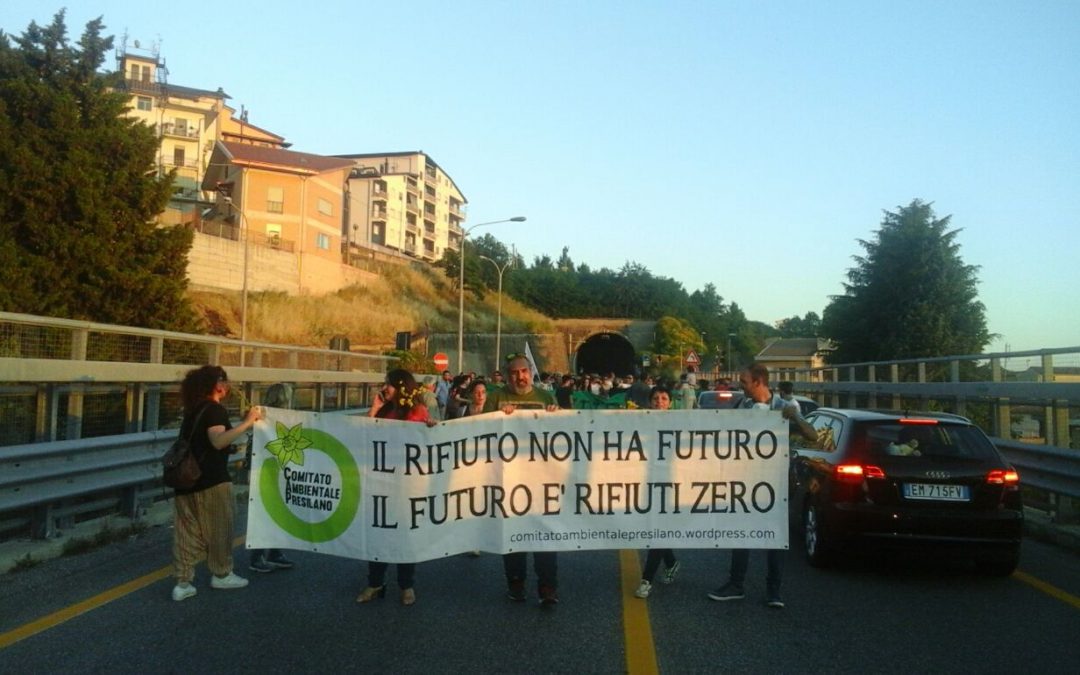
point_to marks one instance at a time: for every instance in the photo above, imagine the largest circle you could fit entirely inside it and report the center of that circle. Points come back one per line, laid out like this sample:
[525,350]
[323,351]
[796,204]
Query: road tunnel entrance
[606,353]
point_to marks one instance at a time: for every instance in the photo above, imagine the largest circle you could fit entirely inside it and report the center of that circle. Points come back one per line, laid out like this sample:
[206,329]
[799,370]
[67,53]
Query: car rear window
[944,440]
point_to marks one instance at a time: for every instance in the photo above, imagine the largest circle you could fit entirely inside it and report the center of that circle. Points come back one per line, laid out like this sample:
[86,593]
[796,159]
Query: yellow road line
[60,616]
[637,631]
[1051,590]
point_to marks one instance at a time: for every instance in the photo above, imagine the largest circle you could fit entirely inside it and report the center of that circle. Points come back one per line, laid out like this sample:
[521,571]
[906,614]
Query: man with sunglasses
[519,393]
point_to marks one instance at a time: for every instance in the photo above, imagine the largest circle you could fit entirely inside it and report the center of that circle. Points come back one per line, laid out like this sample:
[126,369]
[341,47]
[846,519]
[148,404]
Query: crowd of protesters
[204,515]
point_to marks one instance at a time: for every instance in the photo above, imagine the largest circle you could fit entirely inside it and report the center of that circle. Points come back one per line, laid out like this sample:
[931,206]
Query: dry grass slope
[411,298]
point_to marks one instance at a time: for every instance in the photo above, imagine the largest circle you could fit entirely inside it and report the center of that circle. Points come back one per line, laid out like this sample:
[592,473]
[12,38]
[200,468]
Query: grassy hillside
[415,298]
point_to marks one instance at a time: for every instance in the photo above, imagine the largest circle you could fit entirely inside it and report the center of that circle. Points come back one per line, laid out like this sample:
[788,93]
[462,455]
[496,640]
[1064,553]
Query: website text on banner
[537,481]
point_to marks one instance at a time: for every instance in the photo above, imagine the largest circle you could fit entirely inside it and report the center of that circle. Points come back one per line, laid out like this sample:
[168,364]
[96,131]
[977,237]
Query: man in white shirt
[754,380]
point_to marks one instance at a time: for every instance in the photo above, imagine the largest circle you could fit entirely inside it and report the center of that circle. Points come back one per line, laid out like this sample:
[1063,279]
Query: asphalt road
[865,616]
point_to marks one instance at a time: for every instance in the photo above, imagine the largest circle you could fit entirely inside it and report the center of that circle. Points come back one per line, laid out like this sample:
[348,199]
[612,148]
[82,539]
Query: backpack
[180,466]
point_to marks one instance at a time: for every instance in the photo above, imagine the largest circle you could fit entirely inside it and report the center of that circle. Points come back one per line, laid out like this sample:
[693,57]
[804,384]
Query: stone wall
[218,263]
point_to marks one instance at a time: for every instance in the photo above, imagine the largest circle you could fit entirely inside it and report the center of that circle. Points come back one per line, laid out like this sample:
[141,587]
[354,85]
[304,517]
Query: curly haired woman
[204,512]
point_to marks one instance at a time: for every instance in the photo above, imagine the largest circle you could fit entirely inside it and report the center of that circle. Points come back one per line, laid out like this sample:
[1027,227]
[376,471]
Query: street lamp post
[731,362]
[461,286]
[498,320]
[245,232]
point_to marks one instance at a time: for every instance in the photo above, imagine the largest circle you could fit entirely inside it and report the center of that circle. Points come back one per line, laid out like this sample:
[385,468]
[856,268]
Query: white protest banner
[397,491]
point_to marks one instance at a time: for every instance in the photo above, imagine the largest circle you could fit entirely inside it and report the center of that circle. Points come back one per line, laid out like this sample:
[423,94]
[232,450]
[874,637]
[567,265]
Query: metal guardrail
[1049,469]
[42,484]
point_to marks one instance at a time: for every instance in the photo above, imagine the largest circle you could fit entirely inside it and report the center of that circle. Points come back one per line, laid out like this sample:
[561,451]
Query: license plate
[937,492]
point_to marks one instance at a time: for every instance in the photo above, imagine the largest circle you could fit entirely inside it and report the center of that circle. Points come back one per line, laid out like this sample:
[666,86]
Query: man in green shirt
[519,394]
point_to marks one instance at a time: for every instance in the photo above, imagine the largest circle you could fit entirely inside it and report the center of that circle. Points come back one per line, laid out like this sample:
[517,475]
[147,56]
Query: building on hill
[781,354]
[402,203]
[188,121]
[281,199]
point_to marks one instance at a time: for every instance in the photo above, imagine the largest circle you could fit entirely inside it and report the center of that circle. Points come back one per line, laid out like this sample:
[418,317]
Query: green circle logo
[342,517]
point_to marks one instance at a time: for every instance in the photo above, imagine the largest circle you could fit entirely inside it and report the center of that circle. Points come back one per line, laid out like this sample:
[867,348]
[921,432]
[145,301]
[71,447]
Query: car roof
[890,415]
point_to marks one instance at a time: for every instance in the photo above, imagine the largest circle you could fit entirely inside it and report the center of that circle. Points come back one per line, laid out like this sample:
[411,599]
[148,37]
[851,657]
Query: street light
[498,321]
[731,362]
[245,227]
[461,287]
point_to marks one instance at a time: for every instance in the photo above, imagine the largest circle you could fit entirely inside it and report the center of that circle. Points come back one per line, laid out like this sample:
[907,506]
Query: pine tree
[79,192]
[911,295]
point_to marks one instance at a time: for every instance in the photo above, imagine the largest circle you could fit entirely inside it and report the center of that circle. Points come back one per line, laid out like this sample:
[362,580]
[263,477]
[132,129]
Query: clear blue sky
[748,144]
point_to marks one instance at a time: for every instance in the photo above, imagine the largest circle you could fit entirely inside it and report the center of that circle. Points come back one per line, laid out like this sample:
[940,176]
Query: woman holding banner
[659,399]
[477,395]
[401,398]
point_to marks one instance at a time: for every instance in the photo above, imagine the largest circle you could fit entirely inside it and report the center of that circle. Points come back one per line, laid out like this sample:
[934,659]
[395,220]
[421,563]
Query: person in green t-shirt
[519,393]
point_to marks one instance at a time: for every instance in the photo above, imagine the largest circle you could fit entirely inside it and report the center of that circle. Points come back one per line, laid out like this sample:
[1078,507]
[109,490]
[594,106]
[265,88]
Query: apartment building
[188,121]
[402,202]
[280,199]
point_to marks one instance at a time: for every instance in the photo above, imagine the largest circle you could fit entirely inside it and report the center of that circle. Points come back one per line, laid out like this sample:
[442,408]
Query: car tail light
[1007,477]
[916,420]
[855,473]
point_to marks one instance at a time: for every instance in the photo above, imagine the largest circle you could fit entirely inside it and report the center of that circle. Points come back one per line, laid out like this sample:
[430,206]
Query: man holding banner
[754,380]
[520,393]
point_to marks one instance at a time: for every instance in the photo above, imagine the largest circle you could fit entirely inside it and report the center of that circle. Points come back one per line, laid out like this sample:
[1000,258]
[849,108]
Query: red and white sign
[442,361]
[692,359]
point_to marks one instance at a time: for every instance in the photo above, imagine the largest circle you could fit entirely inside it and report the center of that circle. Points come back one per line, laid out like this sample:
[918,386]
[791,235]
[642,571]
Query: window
[828,432]
[144,103]
[325,207]
[178,156]
[275,200]
[273,234]
[322,241]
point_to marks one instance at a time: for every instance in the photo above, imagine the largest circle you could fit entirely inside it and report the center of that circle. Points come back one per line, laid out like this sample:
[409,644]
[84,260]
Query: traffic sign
[692,359]
[442,361]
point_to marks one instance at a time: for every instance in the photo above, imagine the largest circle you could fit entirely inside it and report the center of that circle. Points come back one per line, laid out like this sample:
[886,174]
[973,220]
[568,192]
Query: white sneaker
[183,591]
[228,583]
[643,590]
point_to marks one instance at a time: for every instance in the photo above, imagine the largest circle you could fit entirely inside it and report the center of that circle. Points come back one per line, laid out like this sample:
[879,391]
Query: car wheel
[817,549]
[999,567]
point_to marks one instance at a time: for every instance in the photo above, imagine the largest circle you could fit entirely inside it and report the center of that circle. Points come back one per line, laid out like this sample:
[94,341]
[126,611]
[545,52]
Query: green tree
[911,295]
[78,190]
[674,338]
[794,327]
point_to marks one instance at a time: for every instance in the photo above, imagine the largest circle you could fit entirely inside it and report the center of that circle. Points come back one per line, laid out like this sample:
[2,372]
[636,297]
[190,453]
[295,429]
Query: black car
[719,400]
[902,480]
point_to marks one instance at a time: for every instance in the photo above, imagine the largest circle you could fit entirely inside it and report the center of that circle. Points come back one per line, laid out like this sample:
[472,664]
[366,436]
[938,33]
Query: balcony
[175,131]
[180,163]
[273,241]
[412,207]
[186,194]
[455,209]
[142,87]
[378,214]
[411,187]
